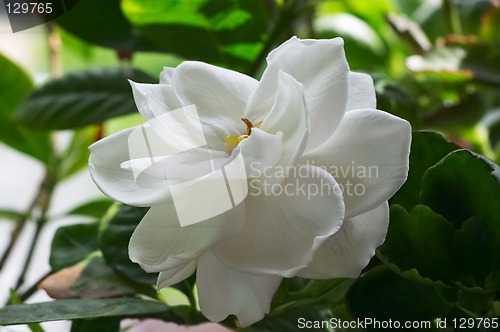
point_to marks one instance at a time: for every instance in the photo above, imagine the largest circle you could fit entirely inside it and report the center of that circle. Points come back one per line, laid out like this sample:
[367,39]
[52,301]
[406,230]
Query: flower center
[232,141]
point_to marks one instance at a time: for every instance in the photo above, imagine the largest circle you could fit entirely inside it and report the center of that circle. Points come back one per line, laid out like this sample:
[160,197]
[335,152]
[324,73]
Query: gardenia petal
[289,117]
[220,96]
[368,156]
[159,243]
[282,230]
[106,156]
[347,252]
[154,100]
[259,151]
[176,275]
[361,92]
[166,75]
[320,65]
[223,291]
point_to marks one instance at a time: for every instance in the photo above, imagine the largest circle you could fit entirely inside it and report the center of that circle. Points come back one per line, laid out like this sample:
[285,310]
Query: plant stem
[44,203]
[452,17]
[14,235]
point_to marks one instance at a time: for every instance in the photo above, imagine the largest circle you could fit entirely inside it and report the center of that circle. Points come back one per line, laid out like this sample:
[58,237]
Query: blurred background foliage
[435,63]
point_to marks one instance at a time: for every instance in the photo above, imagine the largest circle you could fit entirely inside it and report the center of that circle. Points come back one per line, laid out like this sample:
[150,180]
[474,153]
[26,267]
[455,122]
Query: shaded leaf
[427,149]
[477,253]
[79,309]
[81,98]
[96,208]
[72,244]
[98,280]
[383,295]
[114,236]
[110,324]
[464,185]
[422,240]
[103,23]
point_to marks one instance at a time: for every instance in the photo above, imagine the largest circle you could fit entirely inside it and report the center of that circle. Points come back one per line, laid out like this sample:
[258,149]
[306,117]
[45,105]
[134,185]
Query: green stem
[452,16]
[14,236]
[44,203]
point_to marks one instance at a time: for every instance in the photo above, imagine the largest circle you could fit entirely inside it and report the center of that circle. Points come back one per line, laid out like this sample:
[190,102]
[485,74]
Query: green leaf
[14,299]
[295,320]
[15,85]
[108,324]
[10,214]
[392,98]
[427,149]
[98,280]
[462,186]
[477,253]
[206,30]
[96,208]
[421,239]
[103,23]
[460,62]
[114,236]
[76,155]
[81,98]
[79,309]
[383,295]
[72,244]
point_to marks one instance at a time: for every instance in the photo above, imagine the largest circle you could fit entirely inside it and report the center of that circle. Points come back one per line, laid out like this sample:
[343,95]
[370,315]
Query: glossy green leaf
[96,208]
[383,295]
[15,85]
[462,186]
[72,244]
[114,236]
[81,98]
[207,30]
[79,309]
[421,239]
[427,149]
[477,254]
[108,324]
[103,23]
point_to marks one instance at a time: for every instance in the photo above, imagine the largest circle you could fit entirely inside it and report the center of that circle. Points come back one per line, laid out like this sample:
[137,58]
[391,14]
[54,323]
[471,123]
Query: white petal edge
[368,156]
[220,96]
[283,230]
[176,275]
[106,156]
[154,100]
[289,117]
[159,243]
[321,66]
[347,252]
[361,92]
[223,291]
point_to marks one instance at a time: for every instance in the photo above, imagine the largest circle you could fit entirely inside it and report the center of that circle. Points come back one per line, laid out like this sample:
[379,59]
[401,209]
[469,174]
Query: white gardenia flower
[308,115]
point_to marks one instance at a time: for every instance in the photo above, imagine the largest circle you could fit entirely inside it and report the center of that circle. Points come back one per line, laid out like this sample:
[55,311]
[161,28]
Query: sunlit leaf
[15,85]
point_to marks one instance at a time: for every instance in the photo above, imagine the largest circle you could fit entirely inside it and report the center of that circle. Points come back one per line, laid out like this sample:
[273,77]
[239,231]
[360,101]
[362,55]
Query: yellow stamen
[232,141]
